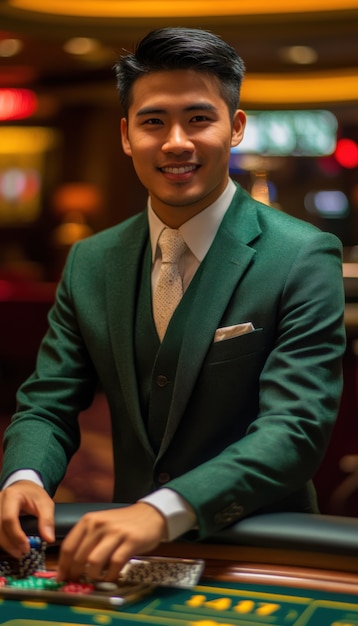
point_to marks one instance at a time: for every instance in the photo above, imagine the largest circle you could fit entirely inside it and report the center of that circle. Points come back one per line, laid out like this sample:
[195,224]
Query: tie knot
[172,245]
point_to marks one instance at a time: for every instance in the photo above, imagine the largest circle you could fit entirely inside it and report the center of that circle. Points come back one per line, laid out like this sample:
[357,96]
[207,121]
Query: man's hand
[102,542]
[24,496]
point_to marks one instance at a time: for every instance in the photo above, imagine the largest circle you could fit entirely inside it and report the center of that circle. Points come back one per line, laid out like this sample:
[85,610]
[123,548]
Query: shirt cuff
[178,514]
[24,474]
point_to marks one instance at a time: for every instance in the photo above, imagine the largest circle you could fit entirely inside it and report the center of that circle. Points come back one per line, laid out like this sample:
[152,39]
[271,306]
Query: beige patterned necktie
[169,289]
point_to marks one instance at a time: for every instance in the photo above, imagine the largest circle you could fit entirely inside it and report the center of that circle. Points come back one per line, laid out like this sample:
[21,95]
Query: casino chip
[33,582]
[35,559]
[49,573]
[31,562]
[5,569]
[75,587]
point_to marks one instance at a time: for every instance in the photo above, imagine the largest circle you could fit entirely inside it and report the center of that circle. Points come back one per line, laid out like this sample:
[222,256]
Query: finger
[72,559]
[124,552]
[15,500]
[93,551]
[28,498]
[105,561]
[46,521]
[119,559]
[13,538]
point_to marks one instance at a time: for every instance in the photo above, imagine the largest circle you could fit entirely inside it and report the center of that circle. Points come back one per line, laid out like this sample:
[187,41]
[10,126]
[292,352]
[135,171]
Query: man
[228,411]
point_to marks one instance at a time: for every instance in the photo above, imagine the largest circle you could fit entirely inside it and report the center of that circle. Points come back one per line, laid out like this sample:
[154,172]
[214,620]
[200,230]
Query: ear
[124,136]
[238,127]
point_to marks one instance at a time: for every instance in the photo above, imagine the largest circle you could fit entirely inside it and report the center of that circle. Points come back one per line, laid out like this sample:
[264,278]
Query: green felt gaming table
[278,569]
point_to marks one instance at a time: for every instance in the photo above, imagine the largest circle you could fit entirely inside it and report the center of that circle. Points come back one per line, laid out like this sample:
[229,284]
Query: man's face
[179,134]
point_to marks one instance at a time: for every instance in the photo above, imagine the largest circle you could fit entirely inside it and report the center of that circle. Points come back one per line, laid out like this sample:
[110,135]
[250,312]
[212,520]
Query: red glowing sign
[346,153]
[17,104]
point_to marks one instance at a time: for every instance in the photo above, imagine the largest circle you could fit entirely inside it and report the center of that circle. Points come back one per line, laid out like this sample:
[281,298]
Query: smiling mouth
[183,169]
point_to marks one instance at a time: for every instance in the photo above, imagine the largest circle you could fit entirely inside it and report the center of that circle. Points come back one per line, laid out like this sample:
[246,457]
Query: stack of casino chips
[39,580]
[31,562]
[30,572]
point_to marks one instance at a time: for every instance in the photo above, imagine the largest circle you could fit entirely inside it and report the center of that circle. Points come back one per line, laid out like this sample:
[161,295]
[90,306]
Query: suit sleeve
[300,386]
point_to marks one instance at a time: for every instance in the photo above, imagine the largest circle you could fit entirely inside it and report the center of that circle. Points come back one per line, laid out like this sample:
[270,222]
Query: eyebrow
[202,106]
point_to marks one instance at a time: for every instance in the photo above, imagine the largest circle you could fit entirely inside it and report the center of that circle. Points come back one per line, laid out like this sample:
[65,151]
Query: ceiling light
[10,47]
[302,55]
[293,90]
[162,8]
[81,45]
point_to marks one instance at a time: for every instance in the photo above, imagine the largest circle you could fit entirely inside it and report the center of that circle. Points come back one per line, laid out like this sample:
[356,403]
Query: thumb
[46,521]
[47,531]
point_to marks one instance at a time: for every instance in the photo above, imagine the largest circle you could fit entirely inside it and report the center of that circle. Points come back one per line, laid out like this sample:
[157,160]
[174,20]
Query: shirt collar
[198,232]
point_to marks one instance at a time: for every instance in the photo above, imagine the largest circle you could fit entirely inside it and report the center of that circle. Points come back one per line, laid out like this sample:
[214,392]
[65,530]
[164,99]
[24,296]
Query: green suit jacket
[250,417]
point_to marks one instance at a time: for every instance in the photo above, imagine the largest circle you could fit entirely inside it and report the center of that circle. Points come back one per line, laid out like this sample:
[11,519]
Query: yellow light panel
[287,89]
[178,8]
[18,140]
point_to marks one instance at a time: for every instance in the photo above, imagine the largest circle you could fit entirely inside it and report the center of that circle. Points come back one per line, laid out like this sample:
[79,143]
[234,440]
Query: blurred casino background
[63,175]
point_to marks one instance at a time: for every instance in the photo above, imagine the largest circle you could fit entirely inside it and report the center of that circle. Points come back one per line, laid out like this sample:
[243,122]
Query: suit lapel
[124,264]
[227,260]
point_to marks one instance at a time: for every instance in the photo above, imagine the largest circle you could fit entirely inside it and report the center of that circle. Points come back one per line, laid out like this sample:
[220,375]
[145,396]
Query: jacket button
[162,380]
[163,478]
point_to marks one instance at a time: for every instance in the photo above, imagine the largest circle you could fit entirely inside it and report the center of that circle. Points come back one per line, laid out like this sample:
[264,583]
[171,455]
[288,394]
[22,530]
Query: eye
[152,121]
[200,118]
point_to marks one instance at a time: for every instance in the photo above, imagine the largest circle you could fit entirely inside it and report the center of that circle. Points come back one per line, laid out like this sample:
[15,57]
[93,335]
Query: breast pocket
[226,395]
[236,348]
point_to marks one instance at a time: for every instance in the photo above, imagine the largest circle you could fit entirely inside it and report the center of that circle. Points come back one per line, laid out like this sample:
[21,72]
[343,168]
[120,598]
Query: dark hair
[182,48]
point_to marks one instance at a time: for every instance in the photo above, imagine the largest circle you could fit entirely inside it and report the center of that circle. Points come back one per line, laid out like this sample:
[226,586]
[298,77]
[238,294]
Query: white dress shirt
[198,233]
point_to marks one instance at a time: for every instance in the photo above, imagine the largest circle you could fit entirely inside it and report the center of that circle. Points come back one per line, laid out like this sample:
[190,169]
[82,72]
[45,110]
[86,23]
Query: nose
[177,140]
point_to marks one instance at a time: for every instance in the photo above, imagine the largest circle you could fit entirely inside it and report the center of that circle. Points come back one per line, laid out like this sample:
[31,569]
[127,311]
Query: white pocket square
[228,332]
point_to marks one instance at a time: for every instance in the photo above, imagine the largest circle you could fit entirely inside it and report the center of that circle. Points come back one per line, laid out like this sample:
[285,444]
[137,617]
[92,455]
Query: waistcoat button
[162,380]
[163,477]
